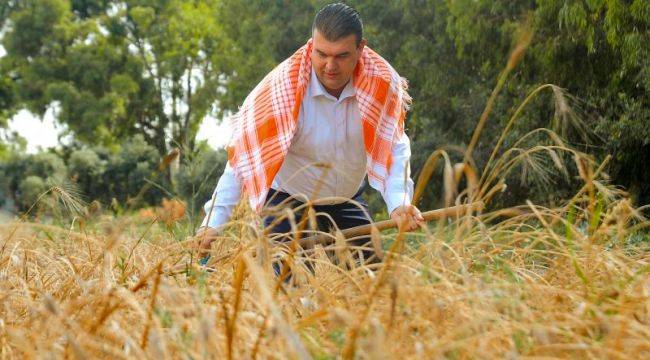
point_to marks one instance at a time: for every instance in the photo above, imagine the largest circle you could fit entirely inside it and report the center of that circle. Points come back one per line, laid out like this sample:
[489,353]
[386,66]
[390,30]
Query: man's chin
[333,85]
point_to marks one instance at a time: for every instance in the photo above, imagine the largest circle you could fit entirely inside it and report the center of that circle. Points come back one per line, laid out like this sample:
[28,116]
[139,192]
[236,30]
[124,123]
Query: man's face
[335,61]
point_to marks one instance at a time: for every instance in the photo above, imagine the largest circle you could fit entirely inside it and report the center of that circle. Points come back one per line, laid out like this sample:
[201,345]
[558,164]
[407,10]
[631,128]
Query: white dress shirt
[326,162]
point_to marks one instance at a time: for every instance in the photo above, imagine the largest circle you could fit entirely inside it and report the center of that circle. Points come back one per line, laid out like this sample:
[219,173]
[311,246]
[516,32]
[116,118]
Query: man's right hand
[204,238]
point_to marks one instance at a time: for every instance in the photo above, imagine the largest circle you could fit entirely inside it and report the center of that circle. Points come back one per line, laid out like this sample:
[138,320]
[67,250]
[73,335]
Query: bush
[197,177]
[131,170]
[4,186]
[29,191]
[47,166]
[86,168]
[28,174]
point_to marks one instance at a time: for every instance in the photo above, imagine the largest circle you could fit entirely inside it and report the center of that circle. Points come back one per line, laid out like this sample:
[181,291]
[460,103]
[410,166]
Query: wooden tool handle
[452,211]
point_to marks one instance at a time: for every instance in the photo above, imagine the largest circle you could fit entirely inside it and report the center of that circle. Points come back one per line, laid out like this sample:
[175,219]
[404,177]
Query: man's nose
[330,65]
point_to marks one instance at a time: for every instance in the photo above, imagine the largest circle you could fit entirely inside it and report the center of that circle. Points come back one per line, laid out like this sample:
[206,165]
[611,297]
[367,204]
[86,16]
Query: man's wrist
[214,231]
[395,200]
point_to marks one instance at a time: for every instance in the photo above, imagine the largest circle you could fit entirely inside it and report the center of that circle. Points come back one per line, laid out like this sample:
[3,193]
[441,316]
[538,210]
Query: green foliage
[30,175]
[110,67]
[452,52]
[7,96]
[39,22]
[11,144]
[261,34]
[130,170]
[86,169]
[197,177]
[30,189]
[47,166]
[96,173]
[601,54]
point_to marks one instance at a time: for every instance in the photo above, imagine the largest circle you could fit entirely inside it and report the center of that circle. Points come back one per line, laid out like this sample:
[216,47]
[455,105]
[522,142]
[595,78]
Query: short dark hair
[336,21]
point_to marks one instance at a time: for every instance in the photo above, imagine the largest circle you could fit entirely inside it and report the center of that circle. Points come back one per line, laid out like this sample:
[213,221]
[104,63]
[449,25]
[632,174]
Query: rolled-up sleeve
[398,188]
[226,195]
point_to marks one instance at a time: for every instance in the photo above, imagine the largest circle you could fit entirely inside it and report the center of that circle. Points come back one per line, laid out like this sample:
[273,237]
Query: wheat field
[568,282]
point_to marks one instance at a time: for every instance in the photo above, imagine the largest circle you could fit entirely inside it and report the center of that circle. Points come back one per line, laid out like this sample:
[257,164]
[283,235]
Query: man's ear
[362,44]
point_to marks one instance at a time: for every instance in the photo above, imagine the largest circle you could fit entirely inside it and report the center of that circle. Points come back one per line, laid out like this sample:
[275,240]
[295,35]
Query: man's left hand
[407,217]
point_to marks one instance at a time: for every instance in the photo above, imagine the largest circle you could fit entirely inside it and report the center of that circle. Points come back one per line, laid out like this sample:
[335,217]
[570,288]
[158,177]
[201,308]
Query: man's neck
[334,92]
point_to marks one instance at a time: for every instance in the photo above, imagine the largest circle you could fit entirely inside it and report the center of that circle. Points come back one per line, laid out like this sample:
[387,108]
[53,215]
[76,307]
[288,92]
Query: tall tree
[262,33]
[115,68]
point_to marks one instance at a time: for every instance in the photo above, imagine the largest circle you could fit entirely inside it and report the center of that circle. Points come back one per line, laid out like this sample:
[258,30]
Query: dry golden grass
[546,282]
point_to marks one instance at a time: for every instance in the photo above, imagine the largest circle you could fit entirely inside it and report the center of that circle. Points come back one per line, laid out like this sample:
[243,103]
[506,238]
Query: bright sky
[39,134]
[217,135]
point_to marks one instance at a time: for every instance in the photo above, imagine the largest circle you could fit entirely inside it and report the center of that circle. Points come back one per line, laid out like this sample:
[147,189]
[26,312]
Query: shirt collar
[317,89]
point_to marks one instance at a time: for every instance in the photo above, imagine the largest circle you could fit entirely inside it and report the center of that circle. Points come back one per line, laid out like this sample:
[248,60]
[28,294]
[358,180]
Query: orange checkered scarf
[266,122]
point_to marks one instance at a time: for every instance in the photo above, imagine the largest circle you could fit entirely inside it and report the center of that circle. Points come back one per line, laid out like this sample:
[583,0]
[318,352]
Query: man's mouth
[331,76]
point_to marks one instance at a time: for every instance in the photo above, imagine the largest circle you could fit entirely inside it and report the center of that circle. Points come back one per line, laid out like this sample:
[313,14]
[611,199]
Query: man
[314,128]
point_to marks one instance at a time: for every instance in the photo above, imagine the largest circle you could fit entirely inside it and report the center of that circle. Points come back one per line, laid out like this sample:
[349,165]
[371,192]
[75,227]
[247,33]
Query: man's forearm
[398,189]
[218,209]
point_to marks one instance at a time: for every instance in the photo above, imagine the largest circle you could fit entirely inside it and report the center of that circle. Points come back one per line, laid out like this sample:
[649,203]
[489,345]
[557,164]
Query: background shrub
[197,177]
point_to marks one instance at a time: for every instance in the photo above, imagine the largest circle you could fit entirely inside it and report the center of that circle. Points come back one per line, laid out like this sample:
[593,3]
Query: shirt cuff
[396,199]
[219,216]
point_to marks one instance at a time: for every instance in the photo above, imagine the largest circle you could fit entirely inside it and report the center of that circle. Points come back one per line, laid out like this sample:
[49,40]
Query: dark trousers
[345,215]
